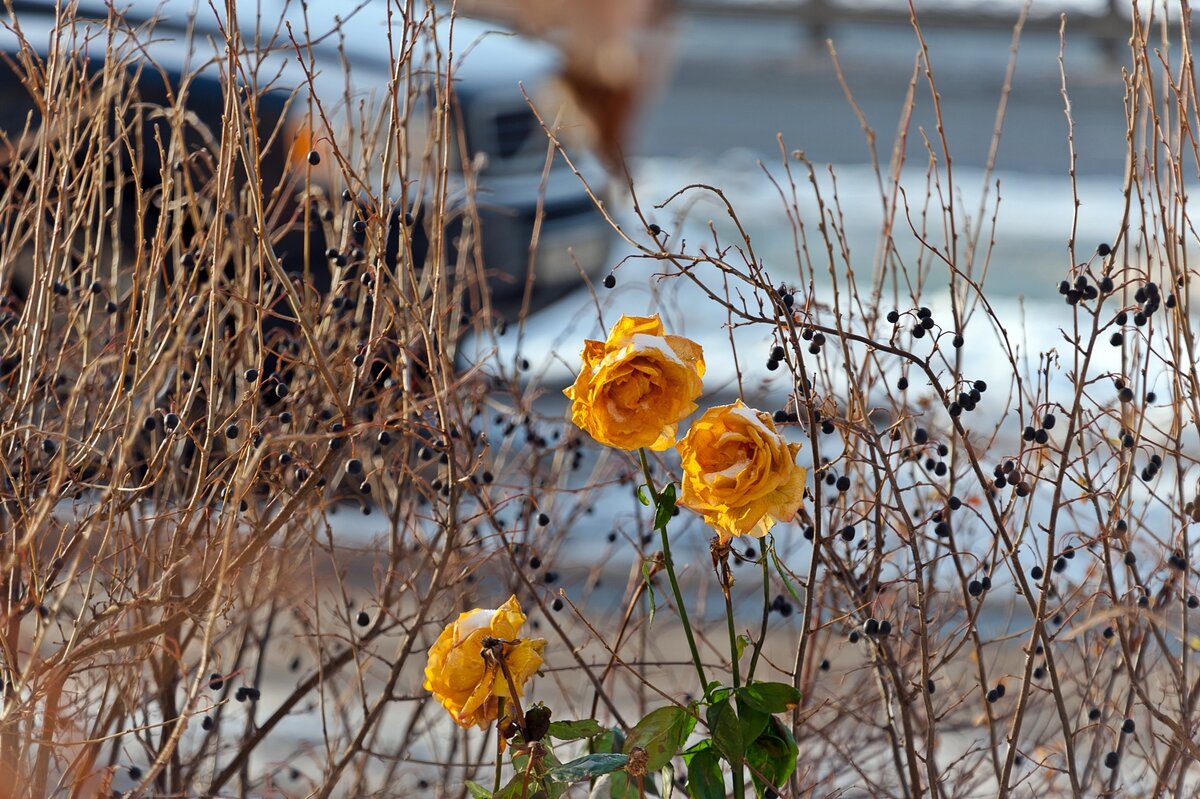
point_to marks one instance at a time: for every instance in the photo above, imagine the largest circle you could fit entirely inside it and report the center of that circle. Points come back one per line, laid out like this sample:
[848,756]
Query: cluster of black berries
[1081,289]
[1149,298]
[786,417]
[245,692]
[924,324]
[1040,434]
[976,587]
[932,464]
[775,358]
[994,695]
[1124,392]
[941,523]
[968,399]
[781,606]
[785,296]
[1009,474]
[1060,563]
[1151,469]
[924,320]
[841,483]
[817,340]
[874,626]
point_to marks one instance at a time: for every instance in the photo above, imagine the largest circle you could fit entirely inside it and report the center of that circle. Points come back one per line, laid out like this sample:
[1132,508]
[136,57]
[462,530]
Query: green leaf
[621,786]
[643,495]
[726,731]
[784,578]
[772,755]
[661,733]
[649,591]
[753,721]
[519,787]
[742,642]
[477,791]
[770,697]
[705,778]
[715,691]
[587,767]
[575,730]
[665,507]
[612,740]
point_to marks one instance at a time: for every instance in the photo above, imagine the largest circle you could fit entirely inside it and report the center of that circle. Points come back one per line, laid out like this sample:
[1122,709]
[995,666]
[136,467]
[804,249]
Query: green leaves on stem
[772,756]
[664,507]
[663,501]
[744,731]
[661,734]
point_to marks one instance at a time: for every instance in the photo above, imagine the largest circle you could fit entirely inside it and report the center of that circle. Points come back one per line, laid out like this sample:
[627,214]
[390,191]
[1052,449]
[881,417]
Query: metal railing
[1110,25]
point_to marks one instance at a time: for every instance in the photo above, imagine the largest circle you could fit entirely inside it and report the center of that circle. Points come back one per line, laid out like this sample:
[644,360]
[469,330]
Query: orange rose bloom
[468,684]
[635,388]
[739,472]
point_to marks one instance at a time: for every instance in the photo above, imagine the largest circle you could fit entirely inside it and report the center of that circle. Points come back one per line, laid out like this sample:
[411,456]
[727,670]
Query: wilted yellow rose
[739,472]
[464,680]
[635,388]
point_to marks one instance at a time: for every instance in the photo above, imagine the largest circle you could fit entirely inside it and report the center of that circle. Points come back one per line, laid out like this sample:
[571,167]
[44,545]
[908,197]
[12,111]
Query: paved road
[738,82]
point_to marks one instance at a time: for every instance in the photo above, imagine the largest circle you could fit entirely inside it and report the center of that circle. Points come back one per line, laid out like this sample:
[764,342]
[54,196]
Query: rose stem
[669,563]
[762,635]
[500,661]
[739,776]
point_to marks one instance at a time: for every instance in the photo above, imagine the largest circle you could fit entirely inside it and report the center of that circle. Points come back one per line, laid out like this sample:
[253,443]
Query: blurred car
[504,167]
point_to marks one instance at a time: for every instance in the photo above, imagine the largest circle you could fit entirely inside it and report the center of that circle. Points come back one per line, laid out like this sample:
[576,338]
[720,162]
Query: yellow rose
[466,682]
[634,388]
[739,472]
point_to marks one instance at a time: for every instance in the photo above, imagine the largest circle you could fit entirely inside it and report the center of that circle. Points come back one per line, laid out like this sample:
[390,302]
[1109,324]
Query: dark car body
[504,178]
